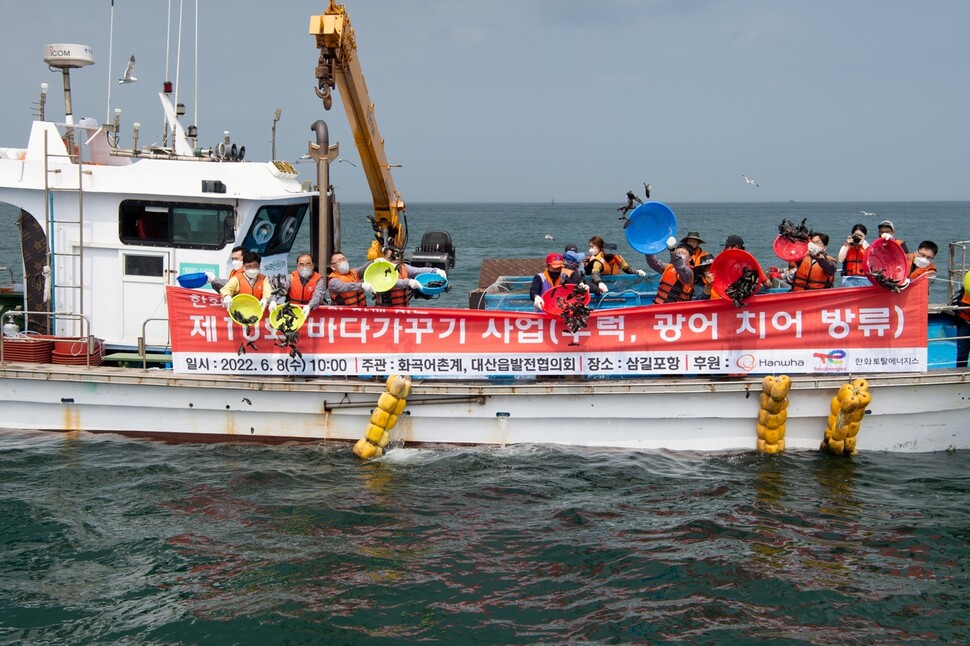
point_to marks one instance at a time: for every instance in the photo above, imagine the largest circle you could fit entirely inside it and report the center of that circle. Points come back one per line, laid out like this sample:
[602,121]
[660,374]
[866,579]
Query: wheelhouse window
[180,225]
[274,228]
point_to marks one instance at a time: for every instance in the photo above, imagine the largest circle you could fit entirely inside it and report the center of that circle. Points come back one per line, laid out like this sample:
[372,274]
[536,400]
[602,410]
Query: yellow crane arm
[339,66]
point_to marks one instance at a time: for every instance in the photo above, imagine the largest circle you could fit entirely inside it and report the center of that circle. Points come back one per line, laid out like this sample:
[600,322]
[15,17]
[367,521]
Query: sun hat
[573,258]
[695,235]
[734,241]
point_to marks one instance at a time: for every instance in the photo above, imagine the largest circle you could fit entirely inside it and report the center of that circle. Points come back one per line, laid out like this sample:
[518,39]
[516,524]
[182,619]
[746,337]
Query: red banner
[857,330]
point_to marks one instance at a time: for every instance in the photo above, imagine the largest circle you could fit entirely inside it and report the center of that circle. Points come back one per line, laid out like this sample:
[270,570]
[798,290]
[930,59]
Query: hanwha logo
[746,362]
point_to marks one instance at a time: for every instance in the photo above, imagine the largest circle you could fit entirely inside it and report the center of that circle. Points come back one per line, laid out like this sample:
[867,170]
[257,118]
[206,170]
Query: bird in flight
[748,180]
[868,213]
[646,189]
[128,78]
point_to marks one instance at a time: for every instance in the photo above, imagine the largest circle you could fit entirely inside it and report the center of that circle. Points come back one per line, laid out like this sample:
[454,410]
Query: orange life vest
[852,265]
[256,288]
[671,288]
[350,299]
[810,275]
[299,293]
[395,297]
[964,302]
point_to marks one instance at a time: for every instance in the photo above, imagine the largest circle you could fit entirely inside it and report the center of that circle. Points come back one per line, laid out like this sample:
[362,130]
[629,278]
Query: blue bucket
[650,226]
[431,277]
[191,281]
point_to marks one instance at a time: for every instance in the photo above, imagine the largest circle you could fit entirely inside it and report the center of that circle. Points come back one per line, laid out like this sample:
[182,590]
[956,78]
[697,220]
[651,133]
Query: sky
[540,100]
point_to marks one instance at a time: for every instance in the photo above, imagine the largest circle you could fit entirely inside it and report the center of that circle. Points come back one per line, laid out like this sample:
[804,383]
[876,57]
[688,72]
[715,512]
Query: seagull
[748,180]
[646,189]
[868,214]
[128,78]
[549,237]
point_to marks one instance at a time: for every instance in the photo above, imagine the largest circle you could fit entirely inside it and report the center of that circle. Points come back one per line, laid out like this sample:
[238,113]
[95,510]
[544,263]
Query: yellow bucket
[381,274]
[245,309]
[280,316]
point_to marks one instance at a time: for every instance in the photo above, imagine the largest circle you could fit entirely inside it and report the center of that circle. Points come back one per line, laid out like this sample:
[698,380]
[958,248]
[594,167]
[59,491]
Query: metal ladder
[67,295]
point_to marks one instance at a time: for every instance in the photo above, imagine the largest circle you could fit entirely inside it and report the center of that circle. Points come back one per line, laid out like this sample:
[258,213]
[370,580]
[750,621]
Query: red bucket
[790,250]
[728,267]
[888,258]
[550,300]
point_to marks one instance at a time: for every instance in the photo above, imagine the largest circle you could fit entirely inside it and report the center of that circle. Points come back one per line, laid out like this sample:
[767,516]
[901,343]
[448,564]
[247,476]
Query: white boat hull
[909,412]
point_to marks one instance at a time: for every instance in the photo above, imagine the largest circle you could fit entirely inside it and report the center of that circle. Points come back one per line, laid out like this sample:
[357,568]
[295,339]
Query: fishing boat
[118,330]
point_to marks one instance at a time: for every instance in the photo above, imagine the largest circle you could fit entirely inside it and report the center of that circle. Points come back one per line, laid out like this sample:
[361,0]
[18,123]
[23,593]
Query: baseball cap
[734,241]
[887,223]
[553,257]
[573,258]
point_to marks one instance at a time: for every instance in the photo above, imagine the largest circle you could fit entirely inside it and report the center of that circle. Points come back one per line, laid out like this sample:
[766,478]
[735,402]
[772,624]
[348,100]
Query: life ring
[263,232]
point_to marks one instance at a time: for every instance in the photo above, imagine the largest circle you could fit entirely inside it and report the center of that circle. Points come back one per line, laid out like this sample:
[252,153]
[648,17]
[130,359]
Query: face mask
[593,251]
[236,264]
[813,249]
[922,261]
[305,272]
[251,273]
[554,272]
[343,267]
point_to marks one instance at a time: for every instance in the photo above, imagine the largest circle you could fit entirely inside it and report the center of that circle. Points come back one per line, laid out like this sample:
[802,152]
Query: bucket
[728,267]
[283,312]
[550,300]
[790,250]
[431,283]
[245,309]
[191,281]
[649,227]
[888,258]
[381,274]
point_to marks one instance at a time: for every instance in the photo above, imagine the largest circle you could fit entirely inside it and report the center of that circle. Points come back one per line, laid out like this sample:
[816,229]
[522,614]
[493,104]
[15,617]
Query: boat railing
[89,344]
[958,263]
[6,285]
[142,345]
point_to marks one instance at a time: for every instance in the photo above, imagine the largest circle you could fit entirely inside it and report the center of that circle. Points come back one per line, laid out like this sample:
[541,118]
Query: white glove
[367,287]
[886,236]
[641,273]
[538,302]
[263,302]
[603,288]
[306,311]
[583,286]
[226,301]
[413,284]
[671,243]
[272,306]
[209,276]
[440,272]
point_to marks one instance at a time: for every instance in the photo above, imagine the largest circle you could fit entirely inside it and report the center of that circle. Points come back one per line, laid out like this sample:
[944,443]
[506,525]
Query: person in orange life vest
[545,280]
[921,262]
[851,255]
[677,276]
[400,294]
[599,263]
[888,231]
[962,316]
[693,240]
[704,287]
[250,282]
[345,284]
[235,268]
[305,287]
[817,269]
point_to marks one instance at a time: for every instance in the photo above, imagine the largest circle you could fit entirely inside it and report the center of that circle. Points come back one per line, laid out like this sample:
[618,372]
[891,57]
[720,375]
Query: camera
[856,238]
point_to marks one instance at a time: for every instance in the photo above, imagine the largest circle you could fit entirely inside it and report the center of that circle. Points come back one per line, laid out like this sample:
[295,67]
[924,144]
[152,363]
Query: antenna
[276,117]
[111,42]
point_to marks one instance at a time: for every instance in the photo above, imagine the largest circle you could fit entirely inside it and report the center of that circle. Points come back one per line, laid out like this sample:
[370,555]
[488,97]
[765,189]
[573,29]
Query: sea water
[106,539]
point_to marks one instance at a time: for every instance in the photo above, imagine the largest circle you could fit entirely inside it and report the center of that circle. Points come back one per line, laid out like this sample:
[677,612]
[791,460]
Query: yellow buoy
[389,407]
[773,413]
[847,409]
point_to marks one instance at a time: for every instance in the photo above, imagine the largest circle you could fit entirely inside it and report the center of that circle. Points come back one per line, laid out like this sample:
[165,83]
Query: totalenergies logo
[831,359]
